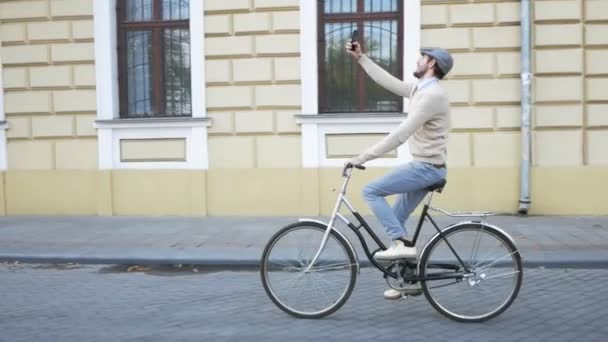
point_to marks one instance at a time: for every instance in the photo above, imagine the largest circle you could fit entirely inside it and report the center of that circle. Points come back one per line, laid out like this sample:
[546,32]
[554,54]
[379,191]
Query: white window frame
[111,129]
[3,124]
[314,126]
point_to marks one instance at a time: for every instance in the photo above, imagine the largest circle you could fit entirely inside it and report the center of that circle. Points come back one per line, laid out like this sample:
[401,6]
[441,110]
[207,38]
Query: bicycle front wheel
[312,293]
[489,283]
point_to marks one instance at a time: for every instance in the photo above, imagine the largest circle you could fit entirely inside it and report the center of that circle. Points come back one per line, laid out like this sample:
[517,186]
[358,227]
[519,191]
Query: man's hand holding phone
[353,47]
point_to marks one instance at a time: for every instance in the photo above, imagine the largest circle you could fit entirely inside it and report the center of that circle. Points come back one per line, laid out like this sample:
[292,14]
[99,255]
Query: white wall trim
[411,41]
[3,124]
[193,136]
[314,131]
[106,61]
[106,68]
[153,123]
[197,58]
[403,154]
[308,56]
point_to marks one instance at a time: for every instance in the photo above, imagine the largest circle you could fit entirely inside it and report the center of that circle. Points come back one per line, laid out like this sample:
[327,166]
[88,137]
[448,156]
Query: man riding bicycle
[426,128]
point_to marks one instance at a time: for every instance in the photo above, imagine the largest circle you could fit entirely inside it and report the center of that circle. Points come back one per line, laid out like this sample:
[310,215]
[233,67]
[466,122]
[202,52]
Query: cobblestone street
[101,303]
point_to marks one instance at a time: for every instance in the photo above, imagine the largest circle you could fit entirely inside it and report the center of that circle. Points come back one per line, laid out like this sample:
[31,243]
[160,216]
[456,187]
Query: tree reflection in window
[154,58]
[343,87]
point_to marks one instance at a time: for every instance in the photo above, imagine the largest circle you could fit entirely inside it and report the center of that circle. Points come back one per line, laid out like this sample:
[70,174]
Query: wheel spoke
[476,246]
[289,281]
[281,263]
[488,255]
[288,268]
[494,262]
[321,289]
[331,267]
[317,291]
[500,275]
[475,299]
[444,285]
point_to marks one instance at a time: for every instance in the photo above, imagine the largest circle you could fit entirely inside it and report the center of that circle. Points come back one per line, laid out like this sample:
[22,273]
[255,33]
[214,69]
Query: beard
[420,72]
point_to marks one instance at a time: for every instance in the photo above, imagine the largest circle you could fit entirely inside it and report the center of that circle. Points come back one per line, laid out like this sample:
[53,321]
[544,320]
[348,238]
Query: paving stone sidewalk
[551,241]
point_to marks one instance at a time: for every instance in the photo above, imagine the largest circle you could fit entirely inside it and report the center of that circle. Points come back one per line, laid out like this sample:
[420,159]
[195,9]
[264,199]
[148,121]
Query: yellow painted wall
[253,91]
[158,193]
[49,84]
[570,77]
[570,191]
[2,195]
[286,192]
[105,193]
[252,52]
[43,192]
[263,192]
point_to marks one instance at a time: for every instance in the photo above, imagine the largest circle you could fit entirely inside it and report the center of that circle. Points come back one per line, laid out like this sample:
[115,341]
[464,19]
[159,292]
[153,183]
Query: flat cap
[445,62]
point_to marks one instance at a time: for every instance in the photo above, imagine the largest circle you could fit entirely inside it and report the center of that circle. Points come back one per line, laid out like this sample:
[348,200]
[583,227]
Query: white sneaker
[397,250]
[392,294]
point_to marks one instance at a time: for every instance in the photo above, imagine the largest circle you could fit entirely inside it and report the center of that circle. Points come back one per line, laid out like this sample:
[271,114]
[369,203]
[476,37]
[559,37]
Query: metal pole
[526,82]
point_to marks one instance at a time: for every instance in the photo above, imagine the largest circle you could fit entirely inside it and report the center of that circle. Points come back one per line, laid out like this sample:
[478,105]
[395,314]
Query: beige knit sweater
[427,123]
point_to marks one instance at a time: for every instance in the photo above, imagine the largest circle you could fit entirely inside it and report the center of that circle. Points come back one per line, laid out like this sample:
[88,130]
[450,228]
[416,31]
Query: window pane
[381,46]
[340,73]
[139,72]
[139,10]
[177,72]
[340,6]
[176,9]
[380,5]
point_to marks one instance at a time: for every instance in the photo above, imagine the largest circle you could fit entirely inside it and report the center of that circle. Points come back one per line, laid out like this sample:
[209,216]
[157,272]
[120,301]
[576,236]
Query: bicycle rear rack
[463,213]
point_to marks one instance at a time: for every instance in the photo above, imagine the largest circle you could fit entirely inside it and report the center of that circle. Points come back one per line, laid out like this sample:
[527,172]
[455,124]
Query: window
[154,58]
[343,87]
[112,125]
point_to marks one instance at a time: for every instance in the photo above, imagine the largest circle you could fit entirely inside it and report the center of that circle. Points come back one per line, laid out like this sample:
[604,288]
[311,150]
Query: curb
[226,263]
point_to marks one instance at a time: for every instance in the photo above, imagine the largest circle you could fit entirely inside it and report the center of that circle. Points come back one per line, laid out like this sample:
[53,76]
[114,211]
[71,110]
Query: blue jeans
[410,182]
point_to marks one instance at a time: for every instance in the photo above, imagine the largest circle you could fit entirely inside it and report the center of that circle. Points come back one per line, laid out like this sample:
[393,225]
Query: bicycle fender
[350,245]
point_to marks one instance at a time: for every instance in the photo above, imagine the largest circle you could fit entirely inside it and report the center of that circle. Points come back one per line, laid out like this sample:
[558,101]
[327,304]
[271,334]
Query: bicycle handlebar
[349,166]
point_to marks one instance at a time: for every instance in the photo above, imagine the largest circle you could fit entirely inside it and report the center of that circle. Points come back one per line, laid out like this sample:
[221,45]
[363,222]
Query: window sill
[350,118]
[153,122]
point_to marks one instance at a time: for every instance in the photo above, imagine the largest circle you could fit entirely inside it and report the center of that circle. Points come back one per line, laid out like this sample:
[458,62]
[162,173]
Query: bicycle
[309,268]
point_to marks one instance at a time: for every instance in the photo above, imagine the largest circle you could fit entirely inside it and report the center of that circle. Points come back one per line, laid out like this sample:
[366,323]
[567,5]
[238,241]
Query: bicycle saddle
[437,186]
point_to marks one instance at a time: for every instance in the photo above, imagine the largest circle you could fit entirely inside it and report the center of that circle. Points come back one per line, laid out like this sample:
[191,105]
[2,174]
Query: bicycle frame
[363,224]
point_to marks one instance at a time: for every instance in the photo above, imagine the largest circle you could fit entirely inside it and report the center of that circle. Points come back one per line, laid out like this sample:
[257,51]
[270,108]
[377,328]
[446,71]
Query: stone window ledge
[153,122]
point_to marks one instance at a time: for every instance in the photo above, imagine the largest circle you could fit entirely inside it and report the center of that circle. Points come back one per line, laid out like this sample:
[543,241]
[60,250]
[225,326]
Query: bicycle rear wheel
[492,282]
[320,291]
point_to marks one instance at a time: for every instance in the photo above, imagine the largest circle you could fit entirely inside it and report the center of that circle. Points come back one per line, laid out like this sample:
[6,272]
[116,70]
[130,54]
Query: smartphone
[354,38]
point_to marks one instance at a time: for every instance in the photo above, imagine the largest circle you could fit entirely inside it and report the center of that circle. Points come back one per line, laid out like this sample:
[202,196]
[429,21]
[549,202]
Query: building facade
[250,107]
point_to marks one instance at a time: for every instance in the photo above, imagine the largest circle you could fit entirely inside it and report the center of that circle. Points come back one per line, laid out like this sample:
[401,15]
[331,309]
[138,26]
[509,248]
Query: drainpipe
[526,79]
